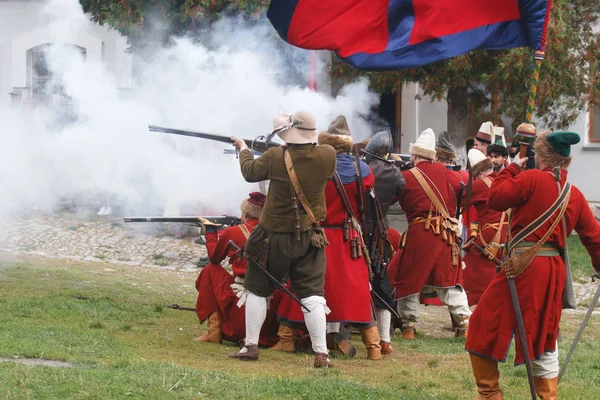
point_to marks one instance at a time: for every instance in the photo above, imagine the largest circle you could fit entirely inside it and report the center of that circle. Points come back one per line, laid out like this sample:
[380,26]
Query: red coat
[347,289]
[540,286]
[217,246]
[427,259]
[480,270]
[215,293]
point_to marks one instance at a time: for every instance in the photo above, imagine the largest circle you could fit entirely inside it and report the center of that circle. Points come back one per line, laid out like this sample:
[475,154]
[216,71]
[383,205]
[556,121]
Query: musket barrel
[256,145]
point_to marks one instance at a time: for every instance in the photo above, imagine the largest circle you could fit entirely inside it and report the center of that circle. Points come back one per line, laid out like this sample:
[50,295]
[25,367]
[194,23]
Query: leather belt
[547,250]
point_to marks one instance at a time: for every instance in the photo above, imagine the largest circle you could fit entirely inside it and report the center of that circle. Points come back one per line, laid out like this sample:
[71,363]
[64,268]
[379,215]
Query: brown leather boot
[287,339]
[486,374]
[408,330]
[246,353]
[322,361]
[386,348]
[213,334]
[546,389]
[462,328]
[371,339]
[337,342]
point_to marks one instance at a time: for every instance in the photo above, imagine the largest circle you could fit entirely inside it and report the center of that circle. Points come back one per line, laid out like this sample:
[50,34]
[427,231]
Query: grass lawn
[109,322]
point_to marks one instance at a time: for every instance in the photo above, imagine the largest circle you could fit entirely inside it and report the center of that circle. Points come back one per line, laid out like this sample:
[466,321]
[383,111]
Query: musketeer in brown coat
[288,241]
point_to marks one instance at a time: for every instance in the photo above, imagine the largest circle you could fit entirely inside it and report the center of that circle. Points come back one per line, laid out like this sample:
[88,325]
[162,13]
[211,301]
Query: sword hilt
[238,251]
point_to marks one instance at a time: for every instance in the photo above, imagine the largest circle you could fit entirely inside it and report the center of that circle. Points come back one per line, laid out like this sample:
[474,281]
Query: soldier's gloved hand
[210,228]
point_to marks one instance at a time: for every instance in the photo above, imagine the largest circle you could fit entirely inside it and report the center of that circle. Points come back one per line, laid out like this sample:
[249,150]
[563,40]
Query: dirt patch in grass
[38,362]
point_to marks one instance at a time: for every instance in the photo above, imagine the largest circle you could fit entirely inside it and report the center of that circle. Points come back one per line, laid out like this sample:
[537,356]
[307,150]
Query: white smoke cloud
[233,85]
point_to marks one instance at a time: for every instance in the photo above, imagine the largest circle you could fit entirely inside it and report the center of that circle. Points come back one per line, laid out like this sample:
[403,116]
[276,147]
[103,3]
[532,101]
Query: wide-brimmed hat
[297,128]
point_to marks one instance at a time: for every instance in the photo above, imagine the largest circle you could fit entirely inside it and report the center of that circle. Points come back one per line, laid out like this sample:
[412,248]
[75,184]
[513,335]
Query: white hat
[478,162]
[425,145]
[297,128]
[498,135]
[486,132]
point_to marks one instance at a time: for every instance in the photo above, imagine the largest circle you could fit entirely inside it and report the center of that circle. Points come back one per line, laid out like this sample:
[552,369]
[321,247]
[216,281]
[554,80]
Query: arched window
[42,83]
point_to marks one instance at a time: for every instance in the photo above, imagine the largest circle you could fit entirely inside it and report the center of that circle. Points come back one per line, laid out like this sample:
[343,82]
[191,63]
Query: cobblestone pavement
[110,240]
[100,239]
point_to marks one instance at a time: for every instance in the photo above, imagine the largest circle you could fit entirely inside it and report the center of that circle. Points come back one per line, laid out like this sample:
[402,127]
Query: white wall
[584,170]
[24,24]
[420,113]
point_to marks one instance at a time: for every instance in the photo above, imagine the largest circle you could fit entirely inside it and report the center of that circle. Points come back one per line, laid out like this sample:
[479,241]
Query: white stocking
[333,327]
[256,313]
[384,320]
[316,322]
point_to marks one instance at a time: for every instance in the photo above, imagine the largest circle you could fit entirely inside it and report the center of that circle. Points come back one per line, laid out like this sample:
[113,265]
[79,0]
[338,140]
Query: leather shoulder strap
[427,188]
[296,186]
[245,231]
[561,202]
[340,188]
[487,181]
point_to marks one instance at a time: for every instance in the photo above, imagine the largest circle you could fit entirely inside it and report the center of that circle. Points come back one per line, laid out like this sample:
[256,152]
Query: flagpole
[538,58]
[312,78]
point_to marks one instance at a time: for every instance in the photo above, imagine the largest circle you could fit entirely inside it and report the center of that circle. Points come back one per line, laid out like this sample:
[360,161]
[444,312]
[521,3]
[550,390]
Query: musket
[271,277]
[198,221]
[361,188]
[459,200]
[259,145]
[402,161]
[581,328]
[178,307]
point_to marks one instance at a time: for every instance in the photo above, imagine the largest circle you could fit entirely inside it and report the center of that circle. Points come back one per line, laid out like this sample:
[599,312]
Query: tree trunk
[458,113]
[494,107]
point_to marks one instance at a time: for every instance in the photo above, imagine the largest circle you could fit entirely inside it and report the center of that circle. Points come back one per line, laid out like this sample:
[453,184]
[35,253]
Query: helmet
[380,146]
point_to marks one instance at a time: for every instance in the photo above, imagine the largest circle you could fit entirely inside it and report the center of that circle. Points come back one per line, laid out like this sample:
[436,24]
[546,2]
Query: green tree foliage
[153,22]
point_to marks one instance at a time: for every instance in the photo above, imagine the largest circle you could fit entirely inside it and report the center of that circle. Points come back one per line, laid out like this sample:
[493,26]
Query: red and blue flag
[397,34]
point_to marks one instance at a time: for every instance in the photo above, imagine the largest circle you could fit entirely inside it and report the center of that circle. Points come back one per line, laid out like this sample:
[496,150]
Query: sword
[272,278]
[481,249]
[581,328]
[512,287]
[520,325]
[390,309]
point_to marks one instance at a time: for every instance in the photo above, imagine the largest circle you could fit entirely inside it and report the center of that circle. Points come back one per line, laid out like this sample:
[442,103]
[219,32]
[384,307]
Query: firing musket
[258,145]
[401,161]
[197,221]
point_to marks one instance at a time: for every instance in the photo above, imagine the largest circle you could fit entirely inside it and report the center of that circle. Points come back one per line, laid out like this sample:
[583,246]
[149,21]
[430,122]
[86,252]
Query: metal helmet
[380,146]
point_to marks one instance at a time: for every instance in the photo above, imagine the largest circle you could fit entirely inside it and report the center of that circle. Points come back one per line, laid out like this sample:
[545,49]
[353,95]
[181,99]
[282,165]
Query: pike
[581,328]
[198,221]
[271,277]
[512,287]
